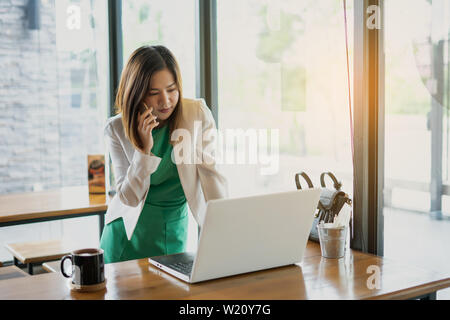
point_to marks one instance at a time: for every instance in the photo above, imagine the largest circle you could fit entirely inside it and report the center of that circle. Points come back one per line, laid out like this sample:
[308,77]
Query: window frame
[369,122]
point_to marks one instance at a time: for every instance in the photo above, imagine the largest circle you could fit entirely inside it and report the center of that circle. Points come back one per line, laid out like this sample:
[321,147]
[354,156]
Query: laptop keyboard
[182,267]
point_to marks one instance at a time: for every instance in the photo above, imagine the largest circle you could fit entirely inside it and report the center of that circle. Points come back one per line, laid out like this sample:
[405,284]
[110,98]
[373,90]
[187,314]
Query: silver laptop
[248,234]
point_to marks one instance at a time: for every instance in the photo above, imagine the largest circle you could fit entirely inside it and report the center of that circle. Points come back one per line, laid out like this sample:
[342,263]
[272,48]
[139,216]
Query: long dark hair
[134,86]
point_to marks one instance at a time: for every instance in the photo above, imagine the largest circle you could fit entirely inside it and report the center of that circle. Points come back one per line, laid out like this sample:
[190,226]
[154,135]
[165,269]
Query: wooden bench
[12,272]
[37,252]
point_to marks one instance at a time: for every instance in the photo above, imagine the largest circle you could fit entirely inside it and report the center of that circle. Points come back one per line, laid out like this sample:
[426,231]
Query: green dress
[163,222]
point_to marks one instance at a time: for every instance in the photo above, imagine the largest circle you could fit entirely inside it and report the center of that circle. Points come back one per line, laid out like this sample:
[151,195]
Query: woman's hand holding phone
[147,122]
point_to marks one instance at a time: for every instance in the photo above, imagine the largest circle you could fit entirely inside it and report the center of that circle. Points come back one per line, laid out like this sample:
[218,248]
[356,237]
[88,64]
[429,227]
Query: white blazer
[132,169]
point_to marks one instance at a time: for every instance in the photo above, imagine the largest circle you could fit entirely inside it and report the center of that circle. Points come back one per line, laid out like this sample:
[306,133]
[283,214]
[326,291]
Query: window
[54,101]
[161,22]
[282,71]
[416,196]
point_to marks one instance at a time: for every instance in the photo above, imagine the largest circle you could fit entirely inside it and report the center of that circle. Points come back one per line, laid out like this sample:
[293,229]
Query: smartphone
[146,108]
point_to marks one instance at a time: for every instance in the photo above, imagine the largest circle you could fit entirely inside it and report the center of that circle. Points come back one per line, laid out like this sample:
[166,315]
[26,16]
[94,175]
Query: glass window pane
[54,100]
[416,202]
[282,72]
[161,22]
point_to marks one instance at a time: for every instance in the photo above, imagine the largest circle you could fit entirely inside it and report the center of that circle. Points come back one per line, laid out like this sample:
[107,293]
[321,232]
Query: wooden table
[63,203]
[314,278]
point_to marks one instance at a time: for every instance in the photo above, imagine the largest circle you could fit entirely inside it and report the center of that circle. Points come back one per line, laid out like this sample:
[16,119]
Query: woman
[149,214]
